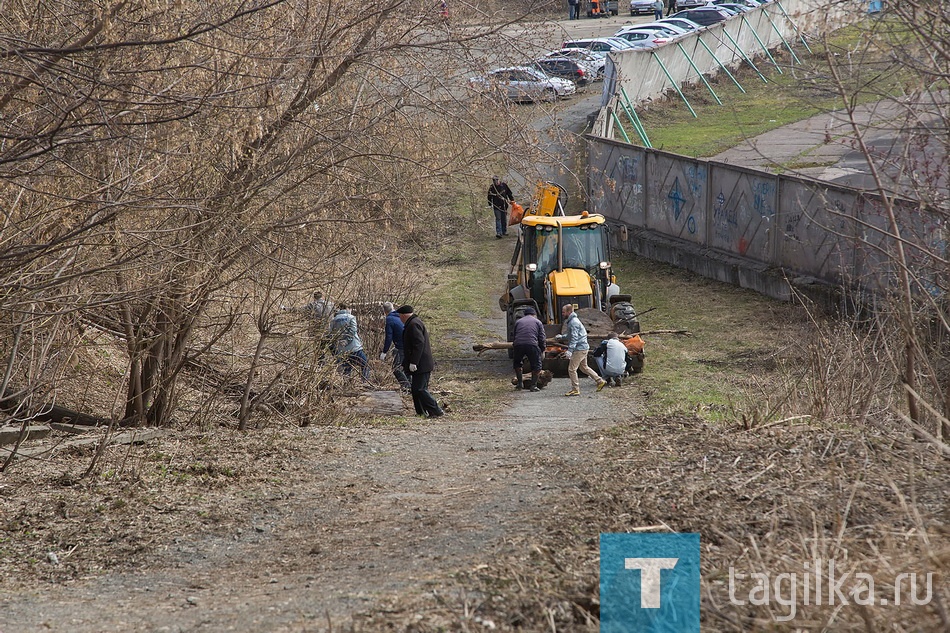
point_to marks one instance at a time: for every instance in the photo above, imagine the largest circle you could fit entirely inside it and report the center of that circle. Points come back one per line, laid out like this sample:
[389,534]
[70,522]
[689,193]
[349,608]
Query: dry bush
[174,173]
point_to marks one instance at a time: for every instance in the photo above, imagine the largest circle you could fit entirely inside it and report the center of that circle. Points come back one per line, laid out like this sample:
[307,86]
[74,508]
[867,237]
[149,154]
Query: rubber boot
[534,381]
[520,383]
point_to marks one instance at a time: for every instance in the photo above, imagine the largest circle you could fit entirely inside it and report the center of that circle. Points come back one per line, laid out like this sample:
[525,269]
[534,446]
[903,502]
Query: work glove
[567,355]
[559,337]
[412,368]
[382,356]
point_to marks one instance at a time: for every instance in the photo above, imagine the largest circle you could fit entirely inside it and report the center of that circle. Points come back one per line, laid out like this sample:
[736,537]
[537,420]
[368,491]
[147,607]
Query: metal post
[762,44]
[675,85]
[724,68]
[632,115]
[701,76]
[797,30]
[782,37]
[613,115]
[744,56]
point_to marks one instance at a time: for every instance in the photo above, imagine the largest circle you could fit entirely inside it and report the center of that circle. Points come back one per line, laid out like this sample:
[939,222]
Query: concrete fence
[755,229]
[746,38]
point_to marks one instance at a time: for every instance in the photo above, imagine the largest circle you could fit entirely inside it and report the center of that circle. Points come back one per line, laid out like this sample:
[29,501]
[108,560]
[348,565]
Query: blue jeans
[575,11]
[501,221]
[357,360]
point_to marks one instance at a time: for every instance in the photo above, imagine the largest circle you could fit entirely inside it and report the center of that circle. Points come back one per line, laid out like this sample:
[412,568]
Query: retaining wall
[755,229]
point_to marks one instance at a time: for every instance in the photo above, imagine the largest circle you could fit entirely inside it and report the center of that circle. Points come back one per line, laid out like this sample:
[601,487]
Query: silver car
[641,6]
[521,83]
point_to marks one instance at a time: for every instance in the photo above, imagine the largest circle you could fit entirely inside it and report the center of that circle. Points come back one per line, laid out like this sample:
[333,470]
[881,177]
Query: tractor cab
[564,259]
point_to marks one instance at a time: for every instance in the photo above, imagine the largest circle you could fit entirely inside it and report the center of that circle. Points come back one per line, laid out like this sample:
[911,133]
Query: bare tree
[153,155]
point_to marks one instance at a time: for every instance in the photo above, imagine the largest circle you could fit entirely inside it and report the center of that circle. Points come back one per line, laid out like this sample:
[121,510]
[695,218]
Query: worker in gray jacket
[575,337]
[347,346]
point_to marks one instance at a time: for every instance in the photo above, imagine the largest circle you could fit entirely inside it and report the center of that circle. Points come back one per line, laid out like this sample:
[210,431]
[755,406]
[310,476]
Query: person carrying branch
[499,196]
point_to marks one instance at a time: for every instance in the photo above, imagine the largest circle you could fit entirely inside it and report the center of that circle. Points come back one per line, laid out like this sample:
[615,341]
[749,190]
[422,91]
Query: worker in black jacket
[418,363]
[499,196]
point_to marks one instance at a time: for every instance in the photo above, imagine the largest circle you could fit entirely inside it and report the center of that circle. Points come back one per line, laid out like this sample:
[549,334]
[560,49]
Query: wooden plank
[380,403]
[10,434]
[73,429]
[138,436]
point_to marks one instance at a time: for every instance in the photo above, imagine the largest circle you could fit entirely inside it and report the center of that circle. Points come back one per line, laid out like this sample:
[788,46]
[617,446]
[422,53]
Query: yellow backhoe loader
[563,259]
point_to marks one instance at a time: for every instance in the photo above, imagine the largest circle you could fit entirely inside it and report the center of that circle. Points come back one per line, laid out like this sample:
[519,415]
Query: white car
[662,24]
[601,45]
[646,38]
[521,83]
[654,36]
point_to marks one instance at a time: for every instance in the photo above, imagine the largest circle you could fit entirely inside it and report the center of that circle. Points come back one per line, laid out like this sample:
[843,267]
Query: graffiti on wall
[630,175]
[725,221]
[678,204]
[763,198]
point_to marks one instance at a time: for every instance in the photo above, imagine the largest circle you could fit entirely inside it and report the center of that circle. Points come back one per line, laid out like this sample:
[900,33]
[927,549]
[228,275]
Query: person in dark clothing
[528,341]
[671,7]
[394,329]
[418,362]
[499,196]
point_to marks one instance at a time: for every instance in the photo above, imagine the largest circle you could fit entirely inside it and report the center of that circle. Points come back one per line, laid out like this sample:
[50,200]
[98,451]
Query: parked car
[679,30]
[641,6]
[705,16]
[594,62]
[522,83]
[689,4]
[655,36]
[731,9]
[752,4]
[565,68]
[682,23]
[601,45]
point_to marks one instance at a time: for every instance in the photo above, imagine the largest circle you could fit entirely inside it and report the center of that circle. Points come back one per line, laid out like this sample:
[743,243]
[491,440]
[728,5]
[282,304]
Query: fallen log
[652,332]
[481,347]
[50,412]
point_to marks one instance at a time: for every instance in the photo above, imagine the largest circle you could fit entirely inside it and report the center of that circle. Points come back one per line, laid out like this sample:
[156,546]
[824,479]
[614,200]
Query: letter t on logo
[649,578]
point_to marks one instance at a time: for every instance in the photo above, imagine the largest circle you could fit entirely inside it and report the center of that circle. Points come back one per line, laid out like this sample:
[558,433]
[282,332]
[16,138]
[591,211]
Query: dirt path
[393,511]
